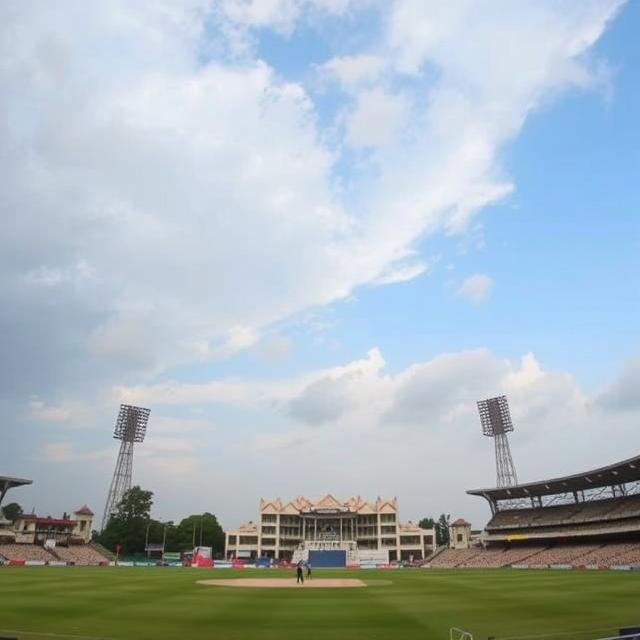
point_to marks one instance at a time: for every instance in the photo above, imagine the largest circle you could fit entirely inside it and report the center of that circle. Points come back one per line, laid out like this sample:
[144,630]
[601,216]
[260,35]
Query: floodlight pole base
[505,469]
[121,481]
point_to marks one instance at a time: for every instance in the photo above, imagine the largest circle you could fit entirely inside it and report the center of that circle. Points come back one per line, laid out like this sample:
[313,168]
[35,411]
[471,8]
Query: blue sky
[309,234]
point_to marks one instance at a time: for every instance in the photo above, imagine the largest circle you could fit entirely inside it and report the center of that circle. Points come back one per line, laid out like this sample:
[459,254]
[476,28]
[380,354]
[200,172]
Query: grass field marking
[552,634]
[286,583]
[44,634]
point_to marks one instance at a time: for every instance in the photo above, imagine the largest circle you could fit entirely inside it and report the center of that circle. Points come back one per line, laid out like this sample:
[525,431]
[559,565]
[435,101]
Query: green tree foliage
[427,523]
[128,526]
[132,526]
[442,530]
[202,528]
[12,511]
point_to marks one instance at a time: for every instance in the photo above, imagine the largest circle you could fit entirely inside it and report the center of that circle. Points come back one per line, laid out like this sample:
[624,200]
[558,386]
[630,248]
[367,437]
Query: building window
[459,537]
[428,539]
[248,540]
[269,518]
[232,540]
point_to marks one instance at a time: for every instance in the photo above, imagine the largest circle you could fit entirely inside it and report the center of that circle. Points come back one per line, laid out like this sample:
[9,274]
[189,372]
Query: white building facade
[365,529]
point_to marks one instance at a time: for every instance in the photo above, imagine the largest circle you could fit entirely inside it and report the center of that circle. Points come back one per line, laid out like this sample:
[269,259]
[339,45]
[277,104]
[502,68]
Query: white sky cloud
[351,71]
[377,118]
[476,288]
[421,417]
[178,197]
[188,184]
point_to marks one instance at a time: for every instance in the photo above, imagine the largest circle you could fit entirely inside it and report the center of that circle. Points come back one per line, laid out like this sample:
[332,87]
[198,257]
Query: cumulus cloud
[171,197]
[66,452]
[377,118]
[403,272]
[624,393]
[373,425]
[476,288]
[190,199]
[322,401]
[352,71]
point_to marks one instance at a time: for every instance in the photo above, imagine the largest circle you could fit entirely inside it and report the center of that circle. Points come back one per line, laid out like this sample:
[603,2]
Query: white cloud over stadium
[172,199]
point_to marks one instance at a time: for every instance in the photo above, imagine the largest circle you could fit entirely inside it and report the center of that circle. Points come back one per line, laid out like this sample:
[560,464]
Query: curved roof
[613,474]
[13,482]
[7,482]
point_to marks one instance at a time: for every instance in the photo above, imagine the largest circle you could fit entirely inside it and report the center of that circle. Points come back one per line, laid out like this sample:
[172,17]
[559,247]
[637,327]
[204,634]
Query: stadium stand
[450,558]
[585,519]
[630,556]
[562,554]
[83,554]
[575,555]
[606,554]
[25,552]
[608,510]
[496,557]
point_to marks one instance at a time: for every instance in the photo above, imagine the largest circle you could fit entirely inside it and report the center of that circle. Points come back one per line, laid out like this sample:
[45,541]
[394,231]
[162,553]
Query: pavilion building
[364,530]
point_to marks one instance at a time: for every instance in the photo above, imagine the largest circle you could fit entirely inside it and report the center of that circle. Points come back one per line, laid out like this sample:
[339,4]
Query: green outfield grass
[161,603]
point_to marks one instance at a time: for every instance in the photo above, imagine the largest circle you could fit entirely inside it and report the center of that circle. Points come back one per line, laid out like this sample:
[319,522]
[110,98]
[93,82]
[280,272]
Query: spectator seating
[450,558]
[495,557]
[629,556]
[610,510]
[605,555]
[83,554]
[25,552]
[575,555]
[565,554]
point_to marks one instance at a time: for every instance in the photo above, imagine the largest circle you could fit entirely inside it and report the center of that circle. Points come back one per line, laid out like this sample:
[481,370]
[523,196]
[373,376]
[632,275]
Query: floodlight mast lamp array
[496,423]
[131,427]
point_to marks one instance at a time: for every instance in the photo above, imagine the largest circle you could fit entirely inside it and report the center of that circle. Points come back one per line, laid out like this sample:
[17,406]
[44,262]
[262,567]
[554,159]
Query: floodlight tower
[496,423]
[131,427]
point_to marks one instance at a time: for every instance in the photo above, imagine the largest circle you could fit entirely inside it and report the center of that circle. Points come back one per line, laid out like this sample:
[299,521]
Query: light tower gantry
[496,423]
[131,427]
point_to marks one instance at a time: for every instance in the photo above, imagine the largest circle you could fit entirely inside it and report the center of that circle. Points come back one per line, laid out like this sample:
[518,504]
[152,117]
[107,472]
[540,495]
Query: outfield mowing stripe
[557,633]
[54,635]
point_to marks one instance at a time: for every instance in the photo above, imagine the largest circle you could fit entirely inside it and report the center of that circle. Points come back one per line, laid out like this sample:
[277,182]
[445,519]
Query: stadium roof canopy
[6,483]
[615,474]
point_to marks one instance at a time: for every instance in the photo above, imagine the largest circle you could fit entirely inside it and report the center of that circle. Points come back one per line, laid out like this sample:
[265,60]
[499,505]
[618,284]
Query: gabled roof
[386,506]
[328,502]
[290,509]
[460,522]
[302,503]
[365,508]
[355,503]
[84,511]
[270,507]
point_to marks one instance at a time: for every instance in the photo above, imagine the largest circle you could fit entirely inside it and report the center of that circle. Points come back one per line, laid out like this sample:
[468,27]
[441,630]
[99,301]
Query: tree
[427,523]
[12,511]
[442,530]
[128,526]
[199,529]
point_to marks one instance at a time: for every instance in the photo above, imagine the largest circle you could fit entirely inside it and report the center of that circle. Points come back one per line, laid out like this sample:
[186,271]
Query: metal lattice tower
[496,423]
[131,427]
